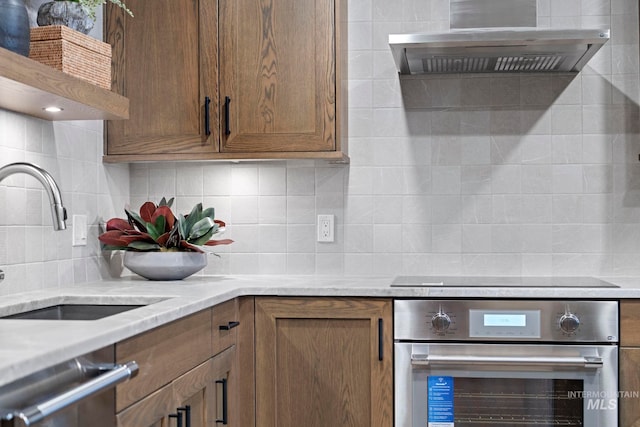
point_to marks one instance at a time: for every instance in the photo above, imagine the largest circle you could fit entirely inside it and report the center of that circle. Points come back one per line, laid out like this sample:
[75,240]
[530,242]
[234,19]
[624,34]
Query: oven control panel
[506,320]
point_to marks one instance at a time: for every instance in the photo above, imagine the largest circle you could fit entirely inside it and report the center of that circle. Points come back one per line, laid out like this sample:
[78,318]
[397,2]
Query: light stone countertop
[30,345]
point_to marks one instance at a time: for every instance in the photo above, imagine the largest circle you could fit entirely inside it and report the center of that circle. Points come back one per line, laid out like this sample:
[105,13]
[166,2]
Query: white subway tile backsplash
[446,238]
[272,210]
[244,210]
[450,174]
[567,208]
[567,179]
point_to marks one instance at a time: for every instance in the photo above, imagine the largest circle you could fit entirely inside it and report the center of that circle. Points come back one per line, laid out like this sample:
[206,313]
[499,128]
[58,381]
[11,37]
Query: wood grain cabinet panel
[188,397]
[183,372]
[275,72]
[318,362]
[629,363]
[225,324]
[629,382]
[165,61]
[279,69]
[163,354]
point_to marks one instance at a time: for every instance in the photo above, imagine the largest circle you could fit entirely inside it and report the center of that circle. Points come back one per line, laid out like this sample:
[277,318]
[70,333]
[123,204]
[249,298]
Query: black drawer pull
[229,326]
[227,112]
[380,339]
[224,420]
[207,115]
[178,417]
[187,414]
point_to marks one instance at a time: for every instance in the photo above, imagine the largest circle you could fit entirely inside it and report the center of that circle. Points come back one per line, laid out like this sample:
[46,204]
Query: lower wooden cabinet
[266,362]
[197,371]
[188,398]
[323,362]
[629,367]
[233,367]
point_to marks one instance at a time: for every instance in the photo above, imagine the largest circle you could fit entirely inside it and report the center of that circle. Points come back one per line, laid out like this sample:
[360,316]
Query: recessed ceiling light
[53,109]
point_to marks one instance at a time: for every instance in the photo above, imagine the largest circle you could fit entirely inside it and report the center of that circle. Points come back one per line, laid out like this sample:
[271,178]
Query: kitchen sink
[76,307]
[73,312]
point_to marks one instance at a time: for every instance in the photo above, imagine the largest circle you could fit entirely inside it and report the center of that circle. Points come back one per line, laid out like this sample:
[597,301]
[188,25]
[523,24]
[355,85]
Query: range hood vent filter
[507,64]
[496,36]
[533,50]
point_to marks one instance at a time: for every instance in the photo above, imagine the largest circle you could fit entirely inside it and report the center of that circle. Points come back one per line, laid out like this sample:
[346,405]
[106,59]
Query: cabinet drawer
[630,323]
[163,354]
[225,324]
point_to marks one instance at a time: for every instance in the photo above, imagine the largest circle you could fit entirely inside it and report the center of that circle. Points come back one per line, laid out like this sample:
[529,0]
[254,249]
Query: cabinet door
[152,411]
[165,62]
[194,393]
[163,354]
[278,70]
[225,388]
[187,397]
[629,382]
[323,361]
[233,365]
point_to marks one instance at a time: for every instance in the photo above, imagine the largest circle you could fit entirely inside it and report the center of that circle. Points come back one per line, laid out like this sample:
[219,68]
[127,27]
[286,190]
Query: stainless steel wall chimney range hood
[495,36]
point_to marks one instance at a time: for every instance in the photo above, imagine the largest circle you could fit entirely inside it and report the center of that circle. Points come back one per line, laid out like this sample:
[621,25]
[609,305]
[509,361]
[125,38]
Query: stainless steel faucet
[58,211]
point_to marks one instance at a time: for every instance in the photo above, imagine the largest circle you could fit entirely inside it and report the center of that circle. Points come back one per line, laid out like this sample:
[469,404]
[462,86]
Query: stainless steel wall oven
[483,363]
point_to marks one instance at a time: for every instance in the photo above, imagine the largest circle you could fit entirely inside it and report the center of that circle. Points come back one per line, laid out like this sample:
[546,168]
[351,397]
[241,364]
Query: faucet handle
[1,275]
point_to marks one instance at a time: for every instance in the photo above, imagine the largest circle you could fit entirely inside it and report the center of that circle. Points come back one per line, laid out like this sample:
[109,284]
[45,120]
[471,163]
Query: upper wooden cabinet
[165,61]
[278,74]
[222,79]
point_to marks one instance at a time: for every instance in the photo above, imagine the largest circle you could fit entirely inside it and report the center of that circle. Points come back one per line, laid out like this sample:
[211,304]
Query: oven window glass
[480,402]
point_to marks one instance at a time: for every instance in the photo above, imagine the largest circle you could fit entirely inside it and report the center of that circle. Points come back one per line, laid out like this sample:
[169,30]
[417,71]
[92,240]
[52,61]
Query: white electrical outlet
[79,230]
[325,228]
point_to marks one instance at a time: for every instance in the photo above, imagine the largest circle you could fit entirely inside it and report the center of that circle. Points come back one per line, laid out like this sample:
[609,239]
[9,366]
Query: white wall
[32,254]
[474,175]
[481,175]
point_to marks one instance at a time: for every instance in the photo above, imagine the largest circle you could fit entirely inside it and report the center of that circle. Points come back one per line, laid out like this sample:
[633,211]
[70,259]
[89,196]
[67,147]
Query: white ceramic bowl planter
[165,265]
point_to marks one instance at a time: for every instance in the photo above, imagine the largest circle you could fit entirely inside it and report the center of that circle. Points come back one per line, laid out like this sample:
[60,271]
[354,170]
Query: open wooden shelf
[27,86]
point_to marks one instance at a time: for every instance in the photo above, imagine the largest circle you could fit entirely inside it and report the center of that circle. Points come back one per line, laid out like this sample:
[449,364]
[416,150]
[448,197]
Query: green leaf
[209,212]
[135,220]
[156,230]
[194,217]
[164,202]
[182,226]
[174,236]
[203,239]
[200,228]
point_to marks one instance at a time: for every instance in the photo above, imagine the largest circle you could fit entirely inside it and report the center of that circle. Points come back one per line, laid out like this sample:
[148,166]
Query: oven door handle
[587,362]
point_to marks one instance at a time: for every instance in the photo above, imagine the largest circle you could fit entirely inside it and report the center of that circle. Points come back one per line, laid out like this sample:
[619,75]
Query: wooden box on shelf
[73,53]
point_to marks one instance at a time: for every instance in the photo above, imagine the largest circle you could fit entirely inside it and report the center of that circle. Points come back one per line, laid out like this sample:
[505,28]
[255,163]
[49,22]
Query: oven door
[486,385]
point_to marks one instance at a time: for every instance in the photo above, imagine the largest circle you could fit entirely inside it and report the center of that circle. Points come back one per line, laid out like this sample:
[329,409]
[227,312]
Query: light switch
[79,230]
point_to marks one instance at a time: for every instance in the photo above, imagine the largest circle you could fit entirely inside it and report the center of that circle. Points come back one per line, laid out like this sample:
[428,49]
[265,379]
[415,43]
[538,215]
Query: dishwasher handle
[38,412]
[507,361]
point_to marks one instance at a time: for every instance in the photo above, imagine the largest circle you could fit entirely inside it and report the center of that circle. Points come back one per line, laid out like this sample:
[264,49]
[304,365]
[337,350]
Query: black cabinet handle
[224,419]
[380,339]
[178,417]
[187,414]
[229,325]
[227,112]
[207,115]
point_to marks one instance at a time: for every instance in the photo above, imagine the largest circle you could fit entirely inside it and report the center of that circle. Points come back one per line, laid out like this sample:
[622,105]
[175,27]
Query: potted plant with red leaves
[162,246]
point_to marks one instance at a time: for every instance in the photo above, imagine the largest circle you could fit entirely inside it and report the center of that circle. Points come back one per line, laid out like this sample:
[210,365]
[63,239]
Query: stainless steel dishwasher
[76,393]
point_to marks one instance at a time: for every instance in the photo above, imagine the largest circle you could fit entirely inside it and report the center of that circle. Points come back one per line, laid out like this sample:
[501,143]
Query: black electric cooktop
[501,282]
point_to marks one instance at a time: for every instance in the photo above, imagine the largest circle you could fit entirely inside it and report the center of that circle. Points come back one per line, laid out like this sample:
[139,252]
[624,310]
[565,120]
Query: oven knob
[440,322]
[569,323]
